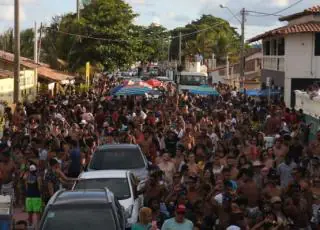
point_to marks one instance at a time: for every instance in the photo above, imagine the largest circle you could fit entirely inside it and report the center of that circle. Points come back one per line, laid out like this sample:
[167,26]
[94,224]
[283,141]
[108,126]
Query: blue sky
[169,13]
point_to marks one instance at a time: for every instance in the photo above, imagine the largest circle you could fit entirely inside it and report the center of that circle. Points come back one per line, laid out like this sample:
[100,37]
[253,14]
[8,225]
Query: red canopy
[154,83]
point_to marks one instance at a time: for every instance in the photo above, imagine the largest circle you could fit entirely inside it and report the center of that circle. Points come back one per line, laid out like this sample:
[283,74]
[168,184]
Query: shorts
[33,204]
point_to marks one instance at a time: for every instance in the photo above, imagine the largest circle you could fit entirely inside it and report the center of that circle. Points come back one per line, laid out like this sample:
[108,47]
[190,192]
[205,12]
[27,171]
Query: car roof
[84,197]
[117,146]
[104,174]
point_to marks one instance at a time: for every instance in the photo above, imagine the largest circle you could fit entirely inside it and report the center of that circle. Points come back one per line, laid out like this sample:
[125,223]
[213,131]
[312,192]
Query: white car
[122,183]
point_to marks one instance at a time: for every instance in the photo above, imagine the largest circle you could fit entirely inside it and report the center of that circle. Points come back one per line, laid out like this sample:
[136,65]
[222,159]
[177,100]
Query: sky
[169,13]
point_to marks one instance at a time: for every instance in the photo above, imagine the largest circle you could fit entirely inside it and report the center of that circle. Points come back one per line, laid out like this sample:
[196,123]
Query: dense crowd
[225,162]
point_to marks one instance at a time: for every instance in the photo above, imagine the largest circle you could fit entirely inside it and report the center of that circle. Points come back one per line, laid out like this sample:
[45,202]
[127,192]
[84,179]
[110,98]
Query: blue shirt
[171,224]
[75,156]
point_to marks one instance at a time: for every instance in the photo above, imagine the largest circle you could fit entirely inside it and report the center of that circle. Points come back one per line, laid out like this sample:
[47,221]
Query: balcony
[275,63]
[309,106]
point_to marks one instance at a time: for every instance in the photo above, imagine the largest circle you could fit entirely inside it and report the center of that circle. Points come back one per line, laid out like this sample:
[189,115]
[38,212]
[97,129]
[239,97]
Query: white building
[252,71]
[291,54]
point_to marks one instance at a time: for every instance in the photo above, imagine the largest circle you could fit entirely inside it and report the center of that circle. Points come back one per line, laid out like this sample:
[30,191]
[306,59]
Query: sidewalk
[19,214]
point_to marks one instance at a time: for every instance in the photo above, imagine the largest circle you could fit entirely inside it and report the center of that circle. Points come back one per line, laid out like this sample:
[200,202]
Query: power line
[277,13]
[155,39]
[90,37]
[290,6]
[262,14]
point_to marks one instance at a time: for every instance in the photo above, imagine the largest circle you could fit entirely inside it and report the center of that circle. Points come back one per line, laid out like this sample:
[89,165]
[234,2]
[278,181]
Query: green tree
[152,43]
[206,36]
[108,41]
[27,43]
[6,41]
[110,20]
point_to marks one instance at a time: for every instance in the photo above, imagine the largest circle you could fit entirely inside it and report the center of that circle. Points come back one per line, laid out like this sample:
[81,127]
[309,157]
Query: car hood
[141,173]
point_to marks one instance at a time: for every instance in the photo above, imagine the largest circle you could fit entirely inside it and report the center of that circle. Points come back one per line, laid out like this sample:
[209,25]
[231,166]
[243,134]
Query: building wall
[304,19]
[28,87]
[299,55]
[277,76]
[300,62]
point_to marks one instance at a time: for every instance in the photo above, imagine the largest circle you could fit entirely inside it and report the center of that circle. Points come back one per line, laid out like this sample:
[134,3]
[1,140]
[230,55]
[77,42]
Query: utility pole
[169,44]
[227,69]
[242,57]
[39,47]
[78,10]
[180,41]
[35,44]
[17,52]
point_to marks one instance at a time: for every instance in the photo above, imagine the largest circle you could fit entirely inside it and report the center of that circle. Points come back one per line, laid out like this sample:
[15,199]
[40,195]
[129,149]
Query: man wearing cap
[33,194]
[179,222]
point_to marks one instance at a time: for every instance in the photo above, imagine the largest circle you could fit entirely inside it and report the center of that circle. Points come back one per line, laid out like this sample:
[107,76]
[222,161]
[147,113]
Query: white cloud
[280,3]
[7,13]
[171,15]
[135,2]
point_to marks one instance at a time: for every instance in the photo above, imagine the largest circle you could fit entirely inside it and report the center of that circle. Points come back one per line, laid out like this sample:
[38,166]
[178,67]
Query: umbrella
[204,91]
[154,83]
[132,90]
[253,92]
[116,89]
[266,92]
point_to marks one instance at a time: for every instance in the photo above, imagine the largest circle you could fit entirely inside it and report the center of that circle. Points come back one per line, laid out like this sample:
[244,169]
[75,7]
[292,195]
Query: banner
[88,74]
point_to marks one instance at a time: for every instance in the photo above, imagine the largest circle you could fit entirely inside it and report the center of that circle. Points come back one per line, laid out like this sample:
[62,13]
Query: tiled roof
[51,74]
[5,74]
[44,71]
[312,10]
[308,27]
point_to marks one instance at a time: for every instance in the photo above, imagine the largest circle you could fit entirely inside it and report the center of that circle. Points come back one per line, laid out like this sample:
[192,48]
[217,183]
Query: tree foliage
[152,43]
[6,41]
[26,44]
[206,36]
[110,40]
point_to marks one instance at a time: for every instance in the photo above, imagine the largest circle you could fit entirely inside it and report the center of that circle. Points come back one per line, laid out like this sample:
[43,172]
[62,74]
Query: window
[77,217]
[117,158]
[281,47]
[119,186]
[317,44]
[250,65]
[266,48]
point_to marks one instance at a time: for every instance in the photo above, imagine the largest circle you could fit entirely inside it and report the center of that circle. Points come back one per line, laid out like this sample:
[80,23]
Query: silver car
[120,157]
[122,183]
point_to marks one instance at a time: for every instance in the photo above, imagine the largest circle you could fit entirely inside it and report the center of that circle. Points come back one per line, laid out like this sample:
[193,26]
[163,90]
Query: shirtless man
[249,189]
[314,146]
[8,170]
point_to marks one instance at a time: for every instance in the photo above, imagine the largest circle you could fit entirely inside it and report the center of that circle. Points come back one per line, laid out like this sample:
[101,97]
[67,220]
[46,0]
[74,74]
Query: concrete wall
[309,106]
[299,55]
[28,87]
[277,76]
[300,61]
[304,19]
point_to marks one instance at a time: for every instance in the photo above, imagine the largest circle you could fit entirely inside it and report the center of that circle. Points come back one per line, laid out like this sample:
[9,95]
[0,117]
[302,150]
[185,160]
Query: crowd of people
[223,162]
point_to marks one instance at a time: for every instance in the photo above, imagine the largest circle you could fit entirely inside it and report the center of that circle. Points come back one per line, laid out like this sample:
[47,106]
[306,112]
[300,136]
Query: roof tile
[289,29]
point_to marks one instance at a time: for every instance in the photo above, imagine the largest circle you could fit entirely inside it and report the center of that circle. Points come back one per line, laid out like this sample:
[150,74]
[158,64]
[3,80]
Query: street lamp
[242,42]
[230,11]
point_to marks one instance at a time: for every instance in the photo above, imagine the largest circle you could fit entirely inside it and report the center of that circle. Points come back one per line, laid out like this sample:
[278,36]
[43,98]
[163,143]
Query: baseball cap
[233,227]
[32,168]
[275,199]
[181,208]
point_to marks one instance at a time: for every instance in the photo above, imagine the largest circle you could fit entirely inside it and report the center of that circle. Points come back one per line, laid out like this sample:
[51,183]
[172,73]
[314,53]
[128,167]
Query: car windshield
[117,158]
[192,80]
[79,218]
[119,186]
